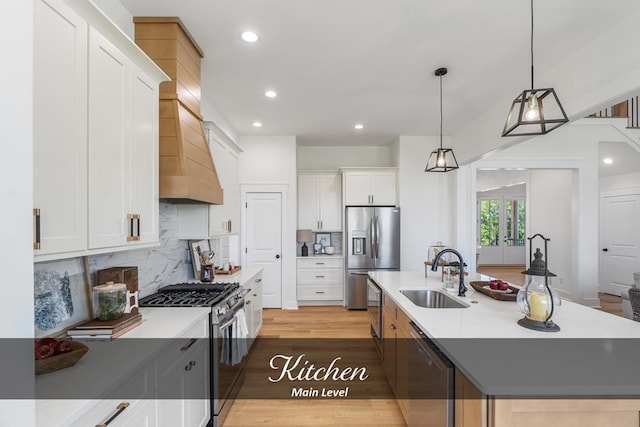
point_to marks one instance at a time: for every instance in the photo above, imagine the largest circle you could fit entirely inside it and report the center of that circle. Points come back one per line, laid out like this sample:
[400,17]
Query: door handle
[278,256]
[377,236]
[371,238]
[605,250]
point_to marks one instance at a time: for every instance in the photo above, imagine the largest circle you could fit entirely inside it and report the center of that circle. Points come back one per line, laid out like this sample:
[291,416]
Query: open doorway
[501,224]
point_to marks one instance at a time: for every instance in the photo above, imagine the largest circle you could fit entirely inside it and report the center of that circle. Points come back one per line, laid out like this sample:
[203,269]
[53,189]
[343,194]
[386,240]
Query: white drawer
[134,390]
[320,262]
[329,276]
[319,292]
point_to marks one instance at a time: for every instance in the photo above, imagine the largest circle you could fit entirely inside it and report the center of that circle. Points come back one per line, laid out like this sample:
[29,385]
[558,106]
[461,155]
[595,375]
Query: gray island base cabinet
[478,401]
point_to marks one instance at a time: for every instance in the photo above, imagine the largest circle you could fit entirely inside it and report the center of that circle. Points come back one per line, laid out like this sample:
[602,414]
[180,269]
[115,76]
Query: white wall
[16,193]
[574,147]
[424,201]
[550,212]
[618,182]
[271,160]
[118,14]
[582,81]
[335,157]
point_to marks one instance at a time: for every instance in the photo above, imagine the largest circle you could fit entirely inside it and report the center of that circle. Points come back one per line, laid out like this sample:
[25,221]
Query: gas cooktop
[190,295]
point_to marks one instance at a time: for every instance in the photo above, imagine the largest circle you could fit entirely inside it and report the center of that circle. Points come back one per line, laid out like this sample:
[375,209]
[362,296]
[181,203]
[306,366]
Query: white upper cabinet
[108,154]
[96,134]
[60,129]
[143,155]
[320,201]
[123,149]
[371,187]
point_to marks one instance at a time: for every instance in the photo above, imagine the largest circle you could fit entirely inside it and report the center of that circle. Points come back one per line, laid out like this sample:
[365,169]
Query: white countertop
[320,256]
[489,318]
[491,326]
[243,276]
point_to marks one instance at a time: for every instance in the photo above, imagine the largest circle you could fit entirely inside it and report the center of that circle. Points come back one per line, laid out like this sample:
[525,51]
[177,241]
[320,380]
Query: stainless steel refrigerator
[373,243]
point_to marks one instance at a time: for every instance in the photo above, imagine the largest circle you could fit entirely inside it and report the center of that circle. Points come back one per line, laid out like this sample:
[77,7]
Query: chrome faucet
[462,289]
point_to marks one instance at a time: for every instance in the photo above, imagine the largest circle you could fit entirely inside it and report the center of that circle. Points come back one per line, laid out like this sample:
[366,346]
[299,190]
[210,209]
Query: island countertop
[594,353]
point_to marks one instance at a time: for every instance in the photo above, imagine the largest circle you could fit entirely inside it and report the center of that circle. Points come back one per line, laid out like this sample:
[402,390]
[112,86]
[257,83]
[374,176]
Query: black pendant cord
[440,112]
[531,45]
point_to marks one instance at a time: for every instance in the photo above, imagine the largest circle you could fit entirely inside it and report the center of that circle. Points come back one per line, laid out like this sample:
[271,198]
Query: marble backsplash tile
[59,295]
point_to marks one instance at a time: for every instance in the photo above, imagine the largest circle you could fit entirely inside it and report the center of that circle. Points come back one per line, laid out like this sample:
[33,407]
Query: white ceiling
[338,62]
[625,159]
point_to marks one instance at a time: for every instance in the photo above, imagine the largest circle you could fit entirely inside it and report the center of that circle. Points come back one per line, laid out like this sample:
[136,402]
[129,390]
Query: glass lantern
[536,299]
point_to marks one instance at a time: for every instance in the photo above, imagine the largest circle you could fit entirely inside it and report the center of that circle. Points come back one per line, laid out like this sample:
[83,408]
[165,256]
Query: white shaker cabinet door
[357,188]
[308,200]
[330,202]
[108,143]
[60,128]
[143,156]
[384,188]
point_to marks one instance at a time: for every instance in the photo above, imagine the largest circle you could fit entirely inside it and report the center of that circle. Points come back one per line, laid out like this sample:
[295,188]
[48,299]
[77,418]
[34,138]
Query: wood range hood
[187,171]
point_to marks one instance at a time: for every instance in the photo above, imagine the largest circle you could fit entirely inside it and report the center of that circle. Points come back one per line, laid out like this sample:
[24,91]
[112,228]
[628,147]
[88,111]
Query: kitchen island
[507,375]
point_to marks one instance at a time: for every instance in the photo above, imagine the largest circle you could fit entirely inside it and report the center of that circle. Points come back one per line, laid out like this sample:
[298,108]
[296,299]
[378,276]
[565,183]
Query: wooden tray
[479,286]
[235,269]
[61,361]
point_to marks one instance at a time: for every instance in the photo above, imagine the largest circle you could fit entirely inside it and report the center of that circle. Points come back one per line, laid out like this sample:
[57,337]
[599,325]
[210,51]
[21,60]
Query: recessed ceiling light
[270,94]
[257,124]
[358,126]
[249,36]
[607,161]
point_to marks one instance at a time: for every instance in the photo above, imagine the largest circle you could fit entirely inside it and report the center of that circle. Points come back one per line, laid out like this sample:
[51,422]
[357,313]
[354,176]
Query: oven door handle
[227,324]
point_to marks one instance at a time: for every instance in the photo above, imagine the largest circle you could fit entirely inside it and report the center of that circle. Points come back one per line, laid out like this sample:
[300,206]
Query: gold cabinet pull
[36,215]
[134,227]
[188,345]
[119,410]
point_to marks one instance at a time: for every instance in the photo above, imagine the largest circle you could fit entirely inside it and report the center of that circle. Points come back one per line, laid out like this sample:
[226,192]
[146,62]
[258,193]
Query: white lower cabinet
[253,306]
[181,393]
[320,279]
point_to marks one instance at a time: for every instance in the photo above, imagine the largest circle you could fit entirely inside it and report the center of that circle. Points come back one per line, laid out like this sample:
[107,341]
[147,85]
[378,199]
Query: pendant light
[534,111]
[441,159]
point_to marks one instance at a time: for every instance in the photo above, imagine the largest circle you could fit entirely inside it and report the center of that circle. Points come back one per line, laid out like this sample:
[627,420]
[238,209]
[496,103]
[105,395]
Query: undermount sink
[429,298]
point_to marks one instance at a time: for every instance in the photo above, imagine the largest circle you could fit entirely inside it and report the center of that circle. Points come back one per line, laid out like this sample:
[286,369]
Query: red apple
[63,347]
[43,351]
[503,286]
[48,341]
[493,284]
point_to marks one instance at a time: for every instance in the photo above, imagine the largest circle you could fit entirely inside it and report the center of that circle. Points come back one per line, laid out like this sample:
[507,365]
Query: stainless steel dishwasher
[431,383]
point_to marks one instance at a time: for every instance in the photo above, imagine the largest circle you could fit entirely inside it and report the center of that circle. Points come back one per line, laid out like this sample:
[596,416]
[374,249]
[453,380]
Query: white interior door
[501,230]
[264,243]
[620,241]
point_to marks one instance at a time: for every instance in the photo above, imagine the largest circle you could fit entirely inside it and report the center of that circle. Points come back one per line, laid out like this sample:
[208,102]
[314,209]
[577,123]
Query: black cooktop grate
[189,295]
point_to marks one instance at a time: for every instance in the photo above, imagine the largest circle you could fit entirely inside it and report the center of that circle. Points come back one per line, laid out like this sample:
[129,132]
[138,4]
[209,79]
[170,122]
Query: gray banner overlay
[342,368]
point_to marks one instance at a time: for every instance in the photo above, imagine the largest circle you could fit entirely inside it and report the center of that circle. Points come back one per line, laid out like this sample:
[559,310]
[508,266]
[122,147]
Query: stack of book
[106,330]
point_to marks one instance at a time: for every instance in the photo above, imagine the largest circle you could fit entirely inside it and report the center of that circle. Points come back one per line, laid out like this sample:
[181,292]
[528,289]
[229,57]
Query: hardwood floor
[317,322]
[509,273]
[608,303]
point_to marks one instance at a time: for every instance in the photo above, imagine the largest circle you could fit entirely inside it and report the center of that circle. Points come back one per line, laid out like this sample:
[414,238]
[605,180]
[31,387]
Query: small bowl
[329,250]
[61,361]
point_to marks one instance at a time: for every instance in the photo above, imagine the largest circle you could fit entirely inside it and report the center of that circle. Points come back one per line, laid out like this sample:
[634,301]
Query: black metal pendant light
[534,111]
[441,159]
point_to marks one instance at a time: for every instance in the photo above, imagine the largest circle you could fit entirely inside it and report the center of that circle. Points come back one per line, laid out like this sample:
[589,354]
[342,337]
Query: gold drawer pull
[36,214]
[119,409]
[187,346]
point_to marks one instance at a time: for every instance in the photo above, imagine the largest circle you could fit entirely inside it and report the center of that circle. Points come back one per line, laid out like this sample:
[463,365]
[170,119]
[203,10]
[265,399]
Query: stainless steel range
[227,357]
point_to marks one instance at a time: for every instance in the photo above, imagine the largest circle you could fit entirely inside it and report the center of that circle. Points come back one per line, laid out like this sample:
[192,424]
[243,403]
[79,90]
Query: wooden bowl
[61,361]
